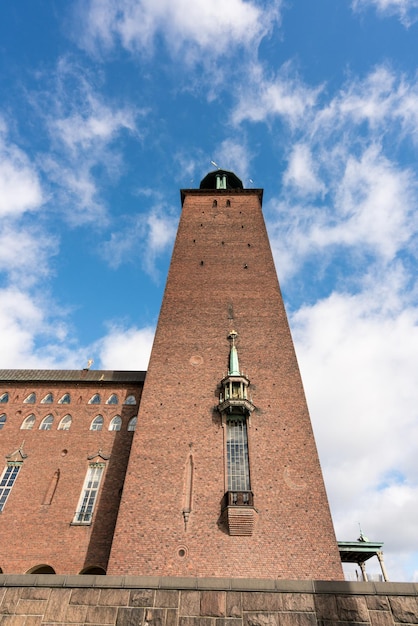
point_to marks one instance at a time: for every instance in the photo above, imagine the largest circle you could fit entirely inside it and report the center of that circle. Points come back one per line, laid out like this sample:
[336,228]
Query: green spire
[233,356]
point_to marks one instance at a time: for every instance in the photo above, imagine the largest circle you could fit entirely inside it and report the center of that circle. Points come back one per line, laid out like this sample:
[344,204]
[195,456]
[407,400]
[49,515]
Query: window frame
[115,420]
[32,421]
[48,423]
[134,421]
[7,480]
[89,495]
[94,421]
[62,422]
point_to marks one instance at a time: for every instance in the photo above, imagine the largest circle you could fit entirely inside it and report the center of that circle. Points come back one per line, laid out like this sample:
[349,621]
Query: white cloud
[20,187]
[97,126]
[406,10]
[126,349]
[146,236]
[358,354]
[136,23]
[25,253]
[374,203]
[235,156]
[301,174]
[86,133]
[283,96]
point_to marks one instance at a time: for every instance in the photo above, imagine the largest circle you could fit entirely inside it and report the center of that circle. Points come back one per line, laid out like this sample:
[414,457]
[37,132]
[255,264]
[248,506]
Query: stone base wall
[35,600]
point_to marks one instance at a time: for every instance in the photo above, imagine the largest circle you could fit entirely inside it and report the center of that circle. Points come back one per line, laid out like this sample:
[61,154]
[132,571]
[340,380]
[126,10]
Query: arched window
[28,423]
[97,423]
[65,423]
[132,423]
[95,399]
[48,399]
[4,397]
[130,400]
[3,419]
[113,399]
[93,569]
[116,423]
[65,399]
[41,569]
[31,399]
[46,423]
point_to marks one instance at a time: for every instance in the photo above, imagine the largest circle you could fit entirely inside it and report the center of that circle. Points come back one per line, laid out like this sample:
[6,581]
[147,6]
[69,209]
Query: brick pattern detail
[122,604]
[35,524]
[222,277]
[239,520]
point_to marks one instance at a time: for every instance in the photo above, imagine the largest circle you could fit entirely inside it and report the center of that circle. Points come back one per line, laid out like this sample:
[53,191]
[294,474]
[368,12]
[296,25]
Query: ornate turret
[238,512]
[234,394]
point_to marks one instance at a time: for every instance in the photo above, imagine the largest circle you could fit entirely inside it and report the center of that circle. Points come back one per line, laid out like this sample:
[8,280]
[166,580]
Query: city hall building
[195,486]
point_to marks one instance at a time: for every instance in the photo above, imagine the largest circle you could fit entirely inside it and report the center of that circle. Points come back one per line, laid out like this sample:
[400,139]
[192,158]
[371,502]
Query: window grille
[46,423]
[89,493]
[28,423]
[132,423]
[237,455]
[116,423]
[97,423]
[7,481]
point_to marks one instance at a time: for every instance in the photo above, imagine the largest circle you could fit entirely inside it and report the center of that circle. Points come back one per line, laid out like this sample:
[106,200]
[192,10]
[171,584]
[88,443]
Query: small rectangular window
[7,481]
[89,494]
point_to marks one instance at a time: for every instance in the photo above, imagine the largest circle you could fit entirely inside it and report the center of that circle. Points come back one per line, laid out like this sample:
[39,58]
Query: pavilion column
[382,565]
[363,571]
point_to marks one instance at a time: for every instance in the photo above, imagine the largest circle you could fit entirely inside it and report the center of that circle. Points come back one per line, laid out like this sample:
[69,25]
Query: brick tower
[224,478]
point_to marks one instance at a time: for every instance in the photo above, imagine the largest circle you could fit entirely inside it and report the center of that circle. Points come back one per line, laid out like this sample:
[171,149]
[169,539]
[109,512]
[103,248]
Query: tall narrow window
[237,454]
[89,493]
[7,481]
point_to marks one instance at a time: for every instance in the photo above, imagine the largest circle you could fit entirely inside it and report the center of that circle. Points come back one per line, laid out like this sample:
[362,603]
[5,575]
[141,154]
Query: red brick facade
[36,522]
[222,277]
[178,515]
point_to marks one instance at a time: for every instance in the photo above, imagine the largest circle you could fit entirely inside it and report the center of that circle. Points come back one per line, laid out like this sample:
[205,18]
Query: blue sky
[109,107]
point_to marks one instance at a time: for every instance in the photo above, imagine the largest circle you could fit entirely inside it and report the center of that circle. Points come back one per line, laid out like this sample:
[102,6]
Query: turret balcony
[233,403]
